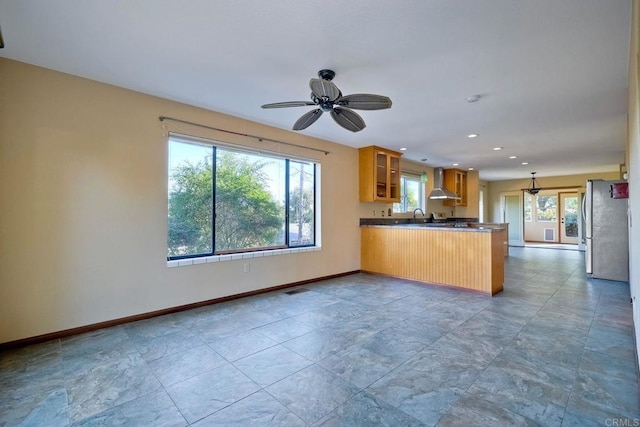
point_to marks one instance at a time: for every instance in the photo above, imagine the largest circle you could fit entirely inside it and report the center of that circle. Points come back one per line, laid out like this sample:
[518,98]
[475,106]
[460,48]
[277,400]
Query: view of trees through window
[190,199]
[410,195]
[249,214]
[546,208]
[527,206]
[571,216]
[223,200]
[301,203]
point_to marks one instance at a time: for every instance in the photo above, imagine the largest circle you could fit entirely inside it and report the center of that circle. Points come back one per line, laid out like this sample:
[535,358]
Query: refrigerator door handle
[589,256]
[588,199]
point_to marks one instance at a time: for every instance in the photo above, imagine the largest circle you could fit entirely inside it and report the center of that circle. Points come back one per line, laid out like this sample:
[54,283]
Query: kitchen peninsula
[468,256]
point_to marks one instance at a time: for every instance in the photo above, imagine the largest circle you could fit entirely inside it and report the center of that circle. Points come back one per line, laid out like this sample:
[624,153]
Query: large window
[222,200]
[527,206]
[411,194]
[546,208]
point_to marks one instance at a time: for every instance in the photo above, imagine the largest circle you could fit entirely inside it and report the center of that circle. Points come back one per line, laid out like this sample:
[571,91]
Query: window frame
[402,205]
[214,145]
[555,207]
[531,200]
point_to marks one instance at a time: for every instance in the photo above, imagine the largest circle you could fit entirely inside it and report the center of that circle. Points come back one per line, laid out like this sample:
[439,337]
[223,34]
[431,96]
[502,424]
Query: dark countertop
[417,220]
[474,227]
[461,224]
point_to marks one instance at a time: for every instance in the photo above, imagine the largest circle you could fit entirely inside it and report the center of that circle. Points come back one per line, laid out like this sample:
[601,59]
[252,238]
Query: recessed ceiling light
[403,149]
[513,157]
[455,164]
[497,148]
[472,135]
[525,163]
[473,98]
[471,169]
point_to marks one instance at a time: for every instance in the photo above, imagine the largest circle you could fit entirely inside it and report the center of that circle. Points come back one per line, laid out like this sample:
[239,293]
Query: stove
[439,217]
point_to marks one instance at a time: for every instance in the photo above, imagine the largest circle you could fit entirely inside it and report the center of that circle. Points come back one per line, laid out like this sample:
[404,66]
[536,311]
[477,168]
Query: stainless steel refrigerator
[606,231]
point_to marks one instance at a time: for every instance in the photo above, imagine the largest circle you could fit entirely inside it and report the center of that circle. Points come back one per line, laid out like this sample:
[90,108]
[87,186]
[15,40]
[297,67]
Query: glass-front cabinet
[379,175]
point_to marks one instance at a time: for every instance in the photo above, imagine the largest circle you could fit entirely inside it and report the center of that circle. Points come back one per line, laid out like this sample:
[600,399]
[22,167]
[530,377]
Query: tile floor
[553,349]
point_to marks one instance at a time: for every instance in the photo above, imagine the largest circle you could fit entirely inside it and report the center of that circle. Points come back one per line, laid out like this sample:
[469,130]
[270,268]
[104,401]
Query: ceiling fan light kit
[328,98]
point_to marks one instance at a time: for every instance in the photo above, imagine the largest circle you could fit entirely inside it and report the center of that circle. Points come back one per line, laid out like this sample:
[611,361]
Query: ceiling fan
[328,98]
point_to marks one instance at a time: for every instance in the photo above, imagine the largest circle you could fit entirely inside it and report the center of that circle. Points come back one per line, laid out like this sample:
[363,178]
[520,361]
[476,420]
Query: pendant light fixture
[423,177]
[534,188]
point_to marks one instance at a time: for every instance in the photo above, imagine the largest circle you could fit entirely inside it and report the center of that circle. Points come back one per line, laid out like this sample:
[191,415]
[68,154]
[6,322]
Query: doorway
[511,213]
[552,216]
[569,217]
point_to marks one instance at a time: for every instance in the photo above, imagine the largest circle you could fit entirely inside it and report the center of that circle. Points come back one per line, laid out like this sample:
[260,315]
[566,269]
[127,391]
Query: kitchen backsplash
[376,210]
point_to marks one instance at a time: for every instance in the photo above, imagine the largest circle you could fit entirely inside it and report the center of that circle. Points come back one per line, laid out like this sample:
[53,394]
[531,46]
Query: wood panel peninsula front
[464,257]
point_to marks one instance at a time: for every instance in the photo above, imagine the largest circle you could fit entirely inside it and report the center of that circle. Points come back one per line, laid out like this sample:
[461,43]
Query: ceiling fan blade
[324,89]
[348,119]
[308,119]
[288,104]
[365,101]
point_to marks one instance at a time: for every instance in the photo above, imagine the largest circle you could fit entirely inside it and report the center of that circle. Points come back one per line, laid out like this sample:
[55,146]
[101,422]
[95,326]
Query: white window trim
[423,191]
[240,256]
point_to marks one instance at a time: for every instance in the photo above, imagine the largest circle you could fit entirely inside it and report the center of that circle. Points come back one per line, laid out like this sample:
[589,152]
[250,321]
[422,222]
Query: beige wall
[534,230]
[366,210]
[376,209]
[483,186]
[83,206]
[473,198]
[495,188]
[633,162]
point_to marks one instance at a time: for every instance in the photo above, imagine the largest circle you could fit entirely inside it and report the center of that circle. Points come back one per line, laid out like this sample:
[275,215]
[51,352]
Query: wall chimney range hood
[439,192]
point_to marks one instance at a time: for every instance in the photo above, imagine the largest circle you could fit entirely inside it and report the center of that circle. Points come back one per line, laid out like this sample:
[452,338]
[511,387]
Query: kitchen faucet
[416,210]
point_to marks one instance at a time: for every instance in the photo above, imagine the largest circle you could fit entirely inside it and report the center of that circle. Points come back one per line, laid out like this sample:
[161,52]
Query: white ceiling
[552,73]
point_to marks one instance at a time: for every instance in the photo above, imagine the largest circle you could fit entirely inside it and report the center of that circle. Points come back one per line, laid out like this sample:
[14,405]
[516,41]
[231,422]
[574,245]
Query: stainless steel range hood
[439,192]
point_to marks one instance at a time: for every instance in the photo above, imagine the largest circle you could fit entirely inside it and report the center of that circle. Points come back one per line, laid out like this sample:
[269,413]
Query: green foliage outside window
[190,214]
[547,208]
[527,207]
[571,216]
[247,215]
[301,203]
[410,195]
[250,205]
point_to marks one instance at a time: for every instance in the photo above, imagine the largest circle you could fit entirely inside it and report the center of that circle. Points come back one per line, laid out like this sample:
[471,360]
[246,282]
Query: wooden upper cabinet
[379,175]
[456,181]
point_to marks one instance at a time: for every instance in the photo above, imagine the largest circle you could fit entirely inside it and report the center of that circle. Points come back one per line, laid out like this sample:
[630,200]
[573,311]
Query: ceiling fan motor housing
[326,74]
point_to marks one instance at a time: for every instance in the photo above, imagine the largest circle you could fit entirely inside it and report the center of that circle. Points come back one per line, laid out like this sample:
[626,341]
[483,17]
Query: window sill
[235,257]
